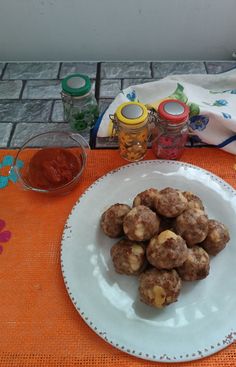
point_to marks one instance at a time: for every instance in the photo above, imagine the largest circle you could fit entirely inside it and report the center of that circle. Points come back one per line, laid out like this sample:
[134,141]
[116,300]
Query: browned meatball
[141,223]
[170,202]
[112,220]
[217,237]
[166,250]
[146,198]
[196,266]
[159,288]
[128,257]
[192,225]
[194,202]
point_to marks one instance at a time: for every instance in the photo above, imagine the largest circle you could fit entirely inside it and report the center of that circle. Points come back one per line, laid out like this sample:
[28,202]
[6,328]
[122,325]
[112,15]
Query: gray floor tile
[103,104]
[109,88]
[10,89]
[219,67]
[162,69]
[1,67]
[57,112]
[5,131]
[31,70]
[42,89]
[25,131]
[111,70]
[87,68]
[129,82]
[14,111]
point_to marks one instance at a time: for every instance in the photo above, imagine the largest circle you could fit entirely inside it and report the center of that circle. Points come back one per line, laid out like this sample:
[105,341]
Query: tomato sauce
[51,168]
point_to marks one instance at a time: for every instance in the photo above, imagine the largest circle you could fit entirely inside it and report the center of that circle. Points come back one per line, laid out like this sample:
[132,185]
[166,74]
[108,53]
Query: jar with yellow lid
[130,123]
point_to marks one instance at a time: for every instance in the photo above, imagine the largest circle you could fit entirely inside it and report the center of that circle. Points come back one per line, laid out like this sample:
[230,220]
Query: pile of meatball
[166,238]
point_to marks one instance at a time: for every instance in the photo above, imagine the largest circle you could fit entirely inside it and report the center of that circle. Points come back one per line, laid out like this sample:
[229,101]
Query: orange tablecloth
[39,326]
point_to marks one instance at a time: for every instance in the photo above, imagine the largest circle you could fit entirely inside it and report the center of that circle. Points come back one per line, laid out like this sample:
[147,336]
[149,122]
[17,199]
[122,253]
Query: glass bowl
[48,143]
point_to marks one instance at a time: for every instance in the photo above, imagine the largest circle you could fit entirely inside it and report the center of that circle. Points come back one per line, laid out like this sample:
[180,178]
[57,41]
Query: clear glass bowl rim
[61,133]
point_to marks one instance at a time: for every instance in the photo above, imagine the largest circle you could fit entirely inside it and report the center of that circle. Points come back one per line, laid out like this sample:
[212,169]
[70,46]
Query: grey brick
[1,67]
[109,88]
[25,131]
[129,82]
[14,111]
[57,112]
[10,89]
[111,70]
[5,131]
[87,68]
[162,69]
[220,67]
[31,70]
[103,104]
[42,89]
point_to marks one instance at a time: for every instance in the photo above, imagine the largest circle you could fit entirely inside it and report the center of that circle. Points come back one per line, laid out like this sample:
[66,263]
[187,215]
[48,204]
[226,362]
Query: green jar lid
[76,84]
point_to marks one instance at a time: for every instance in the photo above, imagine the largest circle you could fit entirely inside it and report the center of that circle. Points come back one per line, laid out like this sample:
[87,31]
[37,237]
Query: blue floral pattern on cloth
[7,161]
[226,115]
[131,96]
[198,122]
[220,103]
[231,91]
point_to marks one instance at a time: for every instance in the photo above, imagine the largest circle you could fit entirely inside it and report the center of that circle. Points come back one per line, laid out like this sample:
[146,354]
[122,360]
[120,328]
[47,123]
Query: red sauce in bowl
[51,168]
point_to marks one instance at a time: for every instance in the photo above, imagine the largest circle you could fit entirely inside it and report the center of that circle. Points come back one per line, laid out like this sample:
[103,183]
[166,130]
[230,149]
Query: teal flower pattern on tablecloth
[7,161]
[231,91]
[220,103]
[226,115]
[131,96]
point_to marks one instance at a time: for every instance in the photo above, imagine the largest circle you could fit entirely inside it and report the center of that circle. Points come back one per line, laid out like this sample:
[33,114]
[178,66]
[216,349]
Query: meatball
[141,223]
[159,288]
[167,250]
[128,257]
[192,225]
[196,266]
[170,202]
[146,198]
[194,202]
[112,220]
[217,237]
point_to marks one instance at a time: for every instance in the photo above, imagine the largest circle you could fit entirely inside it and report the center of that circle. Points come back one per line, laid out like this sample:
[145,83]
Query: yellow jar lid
[132,113]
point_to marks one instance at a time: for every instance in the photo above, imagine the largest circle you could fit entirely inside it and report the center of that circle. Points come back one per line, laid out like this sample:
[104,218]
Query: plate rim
[227,340]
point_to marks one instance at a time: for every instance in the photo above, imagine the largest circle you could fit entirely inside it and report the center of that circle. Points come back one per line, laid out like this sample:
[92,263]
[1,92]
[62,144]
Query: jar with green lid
[130,123]
[79,103]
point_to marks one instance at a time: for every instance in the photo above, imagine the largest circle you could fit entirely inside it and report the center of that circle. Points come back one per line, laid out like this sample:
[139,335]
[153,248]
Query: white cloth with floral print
[211,98]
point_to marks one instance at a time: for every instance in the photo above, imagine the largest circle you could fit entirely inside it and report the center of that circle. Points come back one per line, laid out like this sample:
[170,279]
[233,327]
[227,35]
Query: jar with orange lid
[171,131]
[130,123]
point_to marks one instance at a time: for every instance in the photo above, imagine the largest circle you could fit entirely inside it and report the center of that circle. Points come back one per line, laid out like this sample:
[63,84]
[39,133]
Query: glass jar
[131,125]
[80,105]
[171,131]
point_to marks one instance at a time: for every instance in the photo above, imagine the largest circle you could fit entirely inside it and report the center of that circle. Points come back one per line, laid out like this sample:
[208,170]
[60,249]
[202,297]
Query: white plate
[202,322]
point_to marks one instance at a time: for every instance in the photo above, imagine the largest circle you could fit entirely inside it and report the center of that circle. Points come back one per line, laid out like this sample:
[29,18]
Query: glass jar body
[169,139]
[132,141]
[81,112]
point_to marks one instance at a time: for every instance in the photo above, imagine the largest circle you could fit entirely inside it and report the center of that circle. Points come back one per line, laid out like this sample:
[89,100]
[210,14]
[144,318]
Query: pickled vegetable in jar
[79,103]
[131,125]
[171,131]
